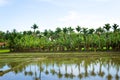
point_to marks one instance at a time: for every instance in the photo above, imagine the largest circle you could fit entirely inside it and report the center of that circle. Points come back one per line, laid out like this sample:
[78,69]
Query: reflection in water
[75,69]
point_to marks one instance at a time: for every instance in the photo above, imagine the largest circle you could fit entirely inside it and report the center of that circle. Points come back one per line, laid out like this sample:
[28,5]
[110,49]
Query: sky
[50,14]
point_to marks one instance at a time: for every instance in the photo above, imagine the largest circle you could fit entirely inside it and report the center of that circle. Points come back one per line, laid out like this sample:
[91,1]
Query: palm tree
[91,31]
[29,32]
[78,29]
[70,32]
[85,32]
[37,32]
[107,27]
[58,30]
[34,27]
[45,33]
[100,30]
[115,26]
[65,30]
[24,32]
[70,29]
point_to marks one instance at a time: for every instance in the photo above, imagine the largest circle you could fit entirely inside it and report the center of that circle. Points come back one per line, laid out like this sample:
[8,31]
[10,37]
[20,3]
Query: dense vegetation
[106,38]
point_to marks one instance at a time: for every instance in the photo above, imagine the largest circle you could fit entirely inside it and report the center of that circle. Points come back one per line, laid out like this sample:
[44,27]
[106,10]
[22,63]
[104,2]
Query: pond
[61,69]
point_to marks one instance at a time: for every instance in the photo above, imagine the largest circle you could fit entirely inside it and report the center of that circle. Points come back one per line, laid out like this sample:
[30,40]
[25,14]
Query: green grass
[61,55]
[4,50]
[11,57]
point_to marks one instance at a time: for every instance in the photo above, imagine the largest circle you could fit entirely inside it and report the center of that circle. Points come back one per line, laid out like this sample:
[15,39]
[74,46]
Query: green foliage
[104,48]
[65,39]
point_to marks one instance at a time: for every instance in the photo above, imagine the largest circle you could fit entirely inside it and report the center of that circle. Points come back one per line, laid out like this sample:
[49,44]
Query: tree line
[106,38]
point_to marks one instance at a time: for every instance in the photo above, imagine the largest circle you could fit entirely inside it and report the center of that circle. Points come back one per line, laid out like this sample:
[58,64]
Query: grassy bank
[60,55]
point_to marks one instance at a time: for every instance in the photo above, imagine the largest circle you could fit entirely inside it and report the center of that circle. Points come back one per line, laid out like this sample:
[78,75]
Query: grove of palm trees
[106,38]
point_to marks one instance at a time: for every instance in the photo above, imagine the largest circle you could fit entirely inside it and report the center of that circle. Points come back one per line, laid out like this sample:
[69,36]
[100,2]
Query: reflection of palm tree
[46,72]
[25,73]
[41,70]
[30,72]
[66,74]
[86,71]
[72,75]
[35,73]
[93,71]
[53,70]
[37,78]
[100,71]
[79,75]
[117,76]
[109,76]
[59,73]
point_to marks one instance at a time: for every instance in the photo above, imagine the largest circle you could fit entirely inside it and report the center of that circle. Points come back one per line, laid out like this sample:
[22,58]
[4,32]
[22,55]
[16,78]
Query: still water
[61,69]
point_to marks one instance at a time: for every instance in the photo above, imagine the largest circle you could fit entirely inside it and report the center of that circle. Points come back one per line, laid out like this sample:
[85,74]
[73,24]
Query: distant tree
[91,31]
[58,30]
[34,27]
[78,29]
[65,30]
[70,29]
[45,33]
[100,30]
[29,32]
[115,26]
[37,32]
[107,27]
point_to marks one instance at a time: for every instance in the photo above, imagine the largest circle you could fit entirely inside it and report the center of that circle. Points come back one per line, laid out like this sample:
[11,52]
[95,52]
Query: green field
[60,55]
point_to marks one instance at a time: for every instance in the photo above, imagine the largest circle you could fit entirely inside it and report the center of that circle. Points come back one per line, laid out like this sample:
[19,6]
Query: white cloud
[3,2]
[72,15]
[86,20]
[100,0]
[45,0]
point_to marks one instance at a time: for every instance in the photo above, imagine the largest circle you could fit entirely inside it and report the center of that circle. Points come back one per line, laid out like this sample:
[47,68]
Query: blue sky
[49,14]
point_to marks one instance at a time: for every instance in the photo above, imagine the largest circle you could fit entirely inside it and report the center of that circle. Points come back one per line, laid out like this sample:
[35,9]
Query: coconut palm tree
[38,32]
[100,31]
[45,33]
[85,32]
[78,29]
[115,27]
[29,32]
[65,30]
[107,27]
[91,31]
[58,30]
[34,27]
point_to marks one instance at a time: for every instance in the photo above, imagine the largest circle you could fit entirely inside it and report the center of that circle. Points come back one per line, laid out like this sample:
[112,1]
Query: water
[61,69]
